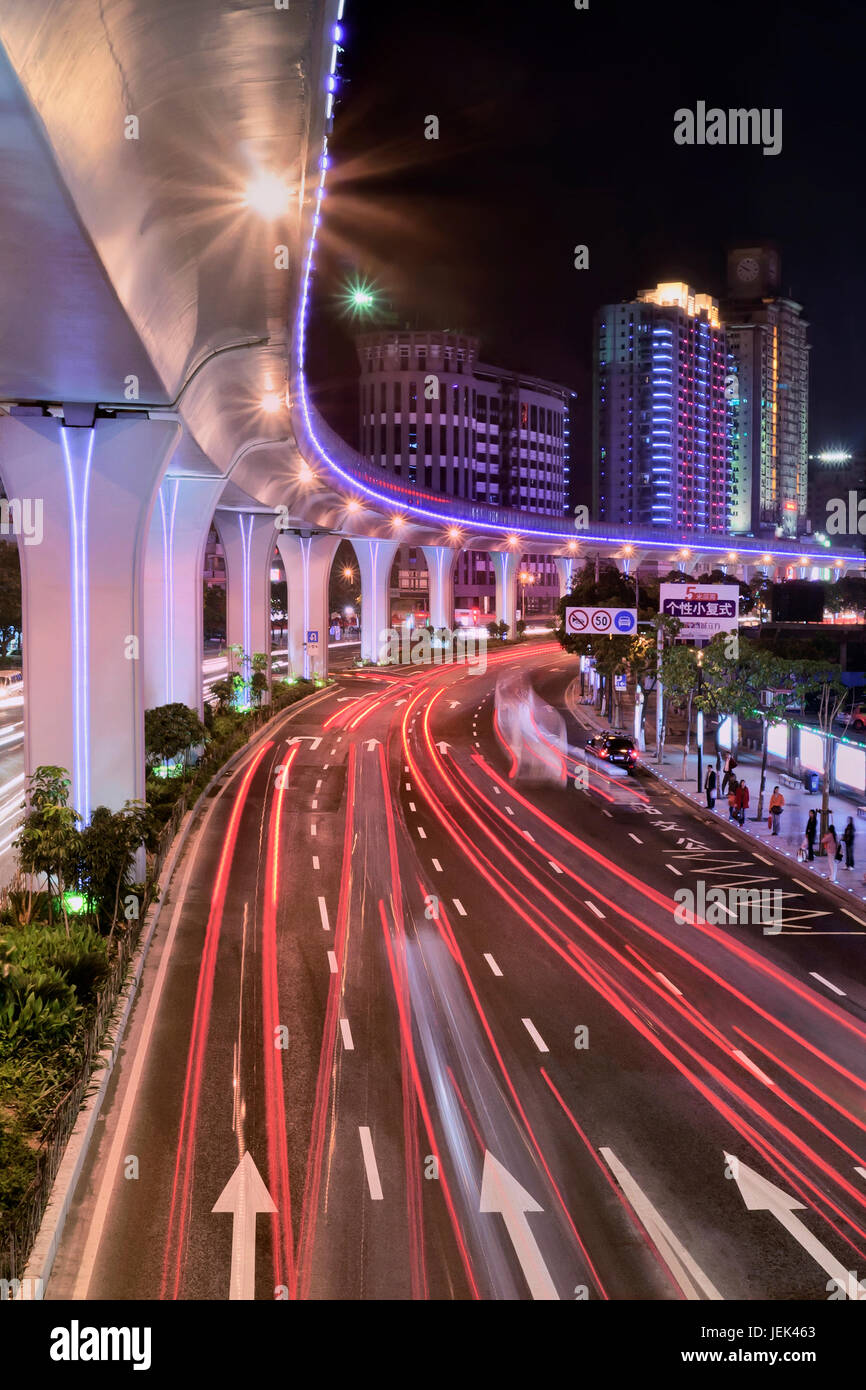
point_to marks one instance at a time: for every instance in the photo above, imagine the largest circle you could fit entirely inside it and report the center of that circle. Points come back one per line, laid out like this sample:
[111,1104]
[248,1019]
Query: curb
[41,1259]
[836,890]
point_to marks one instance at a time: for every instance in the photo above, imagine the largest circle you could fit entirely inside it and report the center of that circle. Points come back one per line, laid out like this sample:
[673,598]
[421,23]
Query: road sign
[313,637]
[620,681]
[605,621]
[703,609]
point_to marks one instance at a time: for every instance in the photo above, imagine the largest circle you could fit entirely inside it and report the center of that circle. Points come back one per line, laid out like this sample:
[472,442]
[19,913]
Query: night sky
[556,128]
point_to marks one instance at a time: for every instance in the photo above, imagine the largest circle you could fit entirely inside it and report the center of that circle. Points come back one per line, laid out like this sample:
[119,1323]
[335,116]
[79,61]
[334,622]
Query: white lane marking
[554,866]
[408,786]
[411,805]
[805,885]
[828,983]
[634,837]
[858,920]
[728,837]
[861,1171]
[325,767]
[492,963]
[421,831]
[747,1062]
[673,870]
[340,739]
[347,1035]
[406,767]
[665,981]
[460,908]
[607,813]
[592,907]
[323,913]
[319,785]
[370,1163]
[333,751]
[673,1252]
[313,830]
[332,962]
[529,837]
[497,791]
[509,810]
[437,866]
[315,804]
[315,861]
[762,859]
[535,1035]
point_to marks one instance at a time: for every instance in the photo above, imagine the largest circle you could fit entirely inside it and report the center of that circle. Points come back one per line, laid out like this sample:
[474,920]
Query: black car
[614,748]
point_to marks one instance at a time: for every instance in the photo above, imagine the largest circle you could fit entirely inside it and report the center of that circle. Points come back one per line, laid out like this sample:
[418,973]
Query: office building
[660,417]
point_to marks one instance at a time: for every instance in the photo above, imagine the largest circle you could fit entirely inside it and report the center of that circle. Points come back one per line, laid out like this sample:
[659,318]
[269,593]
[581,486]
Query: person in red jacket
[742,800]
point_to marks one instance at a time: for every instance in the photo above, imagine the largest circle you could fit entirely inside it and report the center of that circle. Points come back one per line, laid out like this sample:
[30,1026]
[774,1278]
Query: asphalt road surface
[421,1029]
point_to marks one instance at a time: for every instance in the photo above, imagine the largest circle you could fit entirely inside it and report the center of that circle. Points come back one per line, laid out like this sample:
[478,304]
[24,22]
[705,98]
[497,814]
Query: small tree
[831,701]
[108,846]
[48,840]
[679,681]
[170,730]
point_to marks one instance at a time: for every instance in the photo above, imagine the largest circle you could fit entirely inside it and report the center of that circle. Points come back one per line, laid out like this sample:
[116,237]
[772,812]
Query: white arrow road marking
[244,1195]
[298,738]
[373,1182]
[455,704]
[685,1269]
[503,1193]
[759,1194]
[443,746]
[348,699]
[373,743]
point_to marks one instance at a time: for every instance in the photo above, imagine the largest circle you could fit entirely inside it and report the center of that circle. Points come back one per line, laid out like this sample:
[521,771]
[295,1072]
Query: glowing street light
[268,195]
[359,299]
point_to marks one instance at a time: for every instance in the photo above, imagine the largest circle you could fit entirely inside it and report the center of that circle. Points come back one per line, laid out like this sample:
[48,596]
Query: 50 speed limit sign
[610,622]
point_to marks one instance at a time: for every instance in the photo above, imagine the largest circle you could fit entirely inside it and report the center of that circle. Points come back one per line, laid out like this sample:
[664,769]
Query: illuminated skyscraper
[769,438]
[660,417]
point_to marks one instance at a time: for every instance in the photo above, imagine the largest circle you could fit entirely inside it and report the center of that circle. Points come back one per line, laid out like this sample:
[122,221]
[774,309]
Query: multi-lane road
[414,1028]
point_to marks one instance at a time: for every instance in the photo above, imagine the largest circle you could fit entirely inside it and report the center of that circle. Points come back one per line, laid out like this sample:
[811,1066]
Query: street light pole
[700,732]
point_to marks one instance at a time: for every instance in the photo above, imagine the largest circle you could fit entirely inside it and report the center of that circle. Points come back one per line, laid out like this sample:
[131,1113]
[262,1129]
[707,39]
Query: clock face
[748,269]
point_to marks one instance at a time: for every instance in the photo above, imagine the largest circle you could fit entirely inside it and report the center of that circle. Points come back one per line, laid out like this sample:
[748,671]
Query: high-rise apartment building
[769,391]
[433,414]
[660,417]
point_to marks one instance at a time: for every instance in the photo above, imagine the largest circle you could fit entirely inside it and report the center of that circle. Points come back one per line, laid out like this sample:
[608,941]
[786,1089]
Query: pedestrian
[742,800]
[777,802]
[732,799]
[848,841]
[730,764]
[832,849]
[811,832]
[710,787]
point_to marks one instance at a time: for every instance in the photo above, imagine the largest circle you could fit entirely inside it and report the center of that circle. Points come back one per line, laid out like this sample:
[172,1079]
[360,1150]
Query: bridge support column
[82,590]
[248,540]
[307,561]
[506,564]
[173,620]
[567,569]
[441,564]
[375,558]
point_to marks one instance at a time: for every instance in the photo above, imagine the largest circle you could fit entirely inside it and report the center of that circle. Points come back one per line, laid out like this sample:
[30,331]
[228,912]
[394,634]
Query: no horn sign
[610,622]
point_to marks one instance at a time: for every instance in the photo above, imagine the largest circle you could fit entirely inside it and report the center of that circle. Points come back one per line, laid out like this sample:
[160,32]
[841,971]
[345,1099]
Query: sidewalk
[798,803]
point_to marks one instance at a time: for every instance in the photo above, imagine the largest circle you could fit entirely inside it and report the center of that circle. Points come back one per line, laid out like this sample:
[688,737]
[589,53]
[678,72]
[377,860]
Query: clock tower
[753,272]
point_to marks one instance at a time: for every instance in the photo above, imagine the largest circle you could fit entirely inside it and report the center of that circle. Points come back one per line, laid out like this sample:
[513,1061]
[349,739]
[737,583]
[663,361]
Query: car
[614,748]
[853,718]
[11,681]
